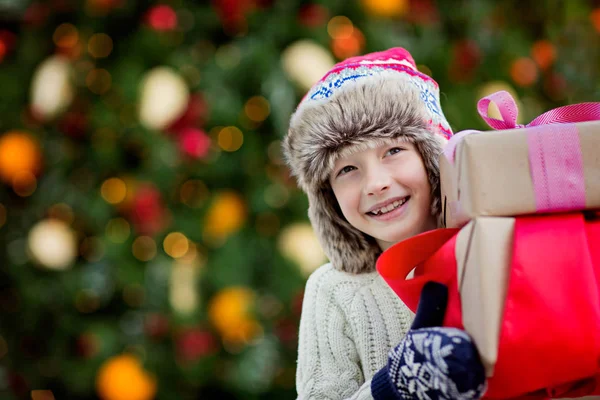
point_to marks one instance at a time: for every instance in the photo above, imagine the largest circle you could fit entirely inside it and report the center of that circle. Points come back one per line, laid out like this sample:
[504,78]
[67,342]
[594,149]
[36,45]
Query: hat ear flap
[347,248]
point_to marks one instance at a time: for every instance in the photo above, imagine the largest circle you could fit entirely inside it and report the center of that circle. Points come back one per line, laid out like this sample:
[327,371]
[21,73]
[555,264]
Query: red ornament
[36,14]
[7,42]
[195,343]
[148,213]
[233,12]
[156,325]
[422,12]
[194,142]
[287,332]
[313,15]
[466,57]
[194,115]
[162,18]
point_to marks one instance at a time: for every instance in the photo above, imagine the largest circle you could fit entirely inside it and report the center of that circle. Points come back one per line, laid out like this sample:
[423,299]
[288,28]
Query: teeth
[390,207]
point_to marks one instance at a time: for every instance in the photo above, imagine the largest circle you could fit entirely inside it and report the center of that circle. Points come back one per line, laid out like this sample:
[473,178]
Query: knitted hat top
[360,68]
[362,102]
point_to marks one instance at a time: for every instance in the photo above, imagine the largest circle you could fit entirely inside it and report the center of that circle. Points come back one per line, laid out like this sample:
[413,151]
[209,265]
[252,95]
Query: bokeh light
[276,195]
[66,35]
[24,183]
[176,244]
[118,230]
[193,193]
[144,248]
[98,80]
[228,56]
[543,53]
[100,45]
[524,72]
[62,212]
[113,190]
[340,27]
[230,138]
[257,108]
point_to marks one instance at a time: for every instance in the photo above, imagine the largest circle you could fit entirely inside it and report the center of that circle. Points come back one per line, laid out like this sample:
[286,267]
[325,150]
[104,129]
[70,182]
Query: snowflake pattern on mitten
[437,364]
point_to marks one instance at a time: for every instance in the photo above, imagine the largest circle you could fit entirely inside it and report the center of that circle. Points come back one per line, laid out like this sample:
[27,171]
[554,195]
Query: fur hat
[361,103]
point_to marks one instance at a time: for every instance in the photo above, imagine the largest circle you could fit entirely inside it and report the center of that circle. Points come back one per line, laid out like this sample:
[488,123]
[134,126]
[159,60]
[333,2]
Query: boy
[364,145]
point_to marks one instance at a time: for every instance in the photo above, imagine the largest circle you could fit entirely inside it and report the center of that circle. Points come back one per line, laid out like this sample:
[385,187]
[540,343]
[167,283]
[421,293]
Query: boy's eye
[394,150]
[346,169]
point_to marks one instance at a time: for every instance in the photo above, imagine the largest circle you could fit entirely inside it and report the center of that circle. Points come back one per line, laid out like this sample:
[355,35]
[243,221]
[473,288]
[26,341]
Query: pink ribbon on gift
[554,150]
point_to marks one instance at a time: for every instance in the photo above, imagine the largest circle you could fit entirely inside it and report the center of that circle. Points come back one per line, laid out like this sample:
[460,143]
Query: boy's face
[384,192]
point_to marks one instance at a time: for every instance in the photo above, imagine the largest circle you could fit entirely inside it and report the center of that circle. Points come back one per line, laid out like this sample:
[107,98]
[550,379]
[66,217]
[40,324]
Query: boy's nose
[377,184]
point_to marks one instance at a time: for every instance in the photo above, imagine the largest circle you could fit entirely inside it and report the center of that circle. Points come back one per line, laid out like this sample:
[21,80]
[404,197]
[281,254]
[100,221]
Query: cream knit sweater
[348,325]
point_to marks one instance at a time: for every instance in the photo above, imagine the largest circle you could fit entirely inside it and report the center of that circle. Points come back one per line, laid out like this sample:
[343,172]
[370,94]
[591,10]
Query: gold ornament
[19,152]
[230,313]
[123,378]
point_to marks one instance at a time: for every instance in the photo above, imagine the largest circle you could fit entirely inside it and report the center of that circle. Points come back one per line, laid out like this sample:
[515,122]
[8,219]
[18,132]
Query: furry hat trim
[356,114]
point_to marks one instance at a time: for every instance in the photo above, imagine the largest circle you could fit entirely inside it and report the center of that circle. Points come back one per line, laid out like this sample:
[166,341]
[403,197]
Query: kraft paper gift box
[525,289]
[548,165]
[493,174]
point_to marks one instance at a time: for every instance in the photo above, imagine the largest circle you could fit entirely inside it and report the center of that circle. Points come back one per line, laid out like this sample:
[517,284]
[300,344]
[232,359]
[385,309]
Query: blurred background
[152,243]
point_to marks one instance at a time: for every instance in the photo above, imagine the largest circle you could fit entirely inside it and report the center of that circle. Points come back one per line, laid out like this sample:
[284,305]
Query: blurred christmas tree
[153,242]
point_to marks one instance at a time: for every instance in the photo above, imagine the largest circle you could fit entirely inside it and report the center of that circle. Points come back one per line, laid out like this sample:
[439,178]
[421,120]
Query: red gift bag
[549,343]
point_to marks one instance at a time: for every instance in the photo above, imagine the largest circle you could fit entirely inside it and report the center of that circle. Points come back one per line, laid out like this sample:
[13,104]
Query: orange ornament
[226,215]
[524,72]
[544,53]
[386,8]
[230,313]
[595,18]
[19,152]
[123,378]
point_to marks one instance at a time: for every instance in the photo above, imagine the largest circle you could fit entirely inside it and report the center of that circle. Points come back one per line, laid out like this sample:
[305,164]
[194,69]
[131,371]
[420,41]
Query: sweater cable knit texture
[349,324]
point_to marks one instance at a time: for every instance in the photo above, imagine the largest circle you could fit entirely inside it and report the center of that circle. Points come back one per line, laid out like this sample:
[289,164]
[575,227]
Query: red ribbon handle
[395,264]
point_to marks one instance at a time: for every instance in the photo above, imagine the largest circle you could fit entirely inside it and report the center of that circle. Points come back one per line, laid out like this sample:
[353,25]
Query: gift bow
[509,111]
[582,112]
[555,157]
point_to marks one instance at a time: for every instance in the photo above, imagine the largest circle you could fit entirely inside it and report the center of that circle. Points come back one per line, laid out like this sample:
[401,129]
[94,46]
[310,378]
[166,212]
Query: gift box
[526,290]
[551,165]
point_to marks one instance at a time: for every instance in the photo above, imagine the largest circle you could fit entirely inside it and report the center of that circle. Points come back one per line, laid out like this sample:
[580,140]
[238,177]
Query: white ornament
[51,87]
[299,243]
[183,292]
[164,97]
[52,244]
[305,62]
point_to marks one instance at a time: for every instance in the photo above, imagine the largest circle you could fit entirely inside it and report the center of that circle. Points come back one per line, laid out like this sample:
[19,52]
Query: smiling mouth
[389,208]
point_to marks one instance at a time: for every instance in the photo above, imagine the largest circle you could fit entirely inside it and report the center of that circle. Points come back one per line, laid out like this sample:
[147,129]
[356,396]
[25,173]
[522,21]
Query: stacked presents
[521,249]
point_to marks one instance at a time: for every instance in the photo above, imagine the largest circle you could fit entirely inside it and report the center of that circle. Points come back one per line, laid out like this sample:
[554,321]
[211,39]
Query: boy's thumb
[432,306]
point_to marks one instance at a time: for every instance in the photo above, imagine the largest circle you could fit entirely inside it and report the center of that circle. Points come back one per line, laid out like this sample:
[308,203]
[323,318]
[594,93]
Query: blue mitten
[431,362]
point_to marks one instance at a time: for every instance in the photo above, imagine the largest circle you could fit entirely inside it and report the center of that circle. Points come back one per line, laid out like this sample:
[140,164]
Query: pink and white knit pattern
[397,63]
